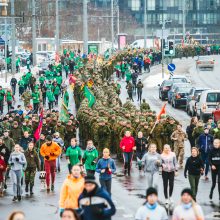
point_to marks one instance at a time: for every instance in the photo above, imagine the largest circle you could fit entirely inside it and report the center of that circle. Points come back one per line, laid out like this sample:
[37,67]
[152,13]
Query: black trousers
[1,106]
[36,107]
[106,184]
[50,105]
[168,178]
[215,174]
[139,95]
[130,96]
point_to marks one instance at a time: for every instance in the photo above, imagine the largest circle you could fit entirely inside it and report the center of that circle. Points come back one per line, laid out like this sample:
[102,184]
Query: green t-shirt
[2,94]
[21,83]
[36,97]
[56,90]
[89,157]
[74,153]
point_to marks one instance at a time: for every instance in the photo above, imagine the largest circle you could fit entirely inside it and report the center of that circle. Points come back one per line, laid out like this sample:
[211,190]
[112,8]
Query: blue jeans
[127,161]
[205,158]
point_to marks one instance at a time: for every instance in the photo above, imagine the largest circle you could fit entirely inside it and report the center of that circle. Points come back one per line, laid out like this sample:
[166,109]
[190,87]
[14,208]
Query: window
[213,97]
[135,5]
[151,5]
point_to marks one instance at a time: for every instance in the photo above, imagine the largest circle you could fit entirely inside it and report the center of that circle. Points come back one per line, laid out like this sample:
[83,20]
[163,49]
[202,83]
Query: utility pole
[6,51]
[13,38]
[112,22]
[145,24]
[34,32]
[118,19]
[57,28]
[184,21]
[162,46]
[85,27]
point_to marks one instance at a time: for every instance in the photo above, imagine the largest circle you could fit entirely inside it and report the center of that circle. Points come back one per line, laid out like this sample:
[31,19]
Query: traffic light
[170,50]
[171,47]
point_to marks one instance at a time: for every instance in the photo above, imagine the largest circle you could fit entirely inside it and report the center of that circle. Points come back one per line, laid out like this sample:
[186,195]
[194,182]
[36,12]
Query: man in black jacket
[13,84]
[141,148]
[25,140]
[94,202]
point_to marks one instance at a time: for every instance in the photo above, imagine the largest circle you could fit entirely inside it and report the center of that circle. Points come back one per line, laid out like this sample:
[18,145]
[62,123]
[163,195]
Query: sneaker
[206,178]
[48,189]
[210,196]
[58,169]
[171,201]
[19,198]
[1,194]
[14,199]
[5,186]
[52,187]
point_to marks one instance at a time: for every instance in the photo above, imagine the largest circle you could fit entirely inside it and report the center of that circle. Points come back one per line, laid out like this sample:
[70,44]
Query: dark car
[180,95]
[164,88]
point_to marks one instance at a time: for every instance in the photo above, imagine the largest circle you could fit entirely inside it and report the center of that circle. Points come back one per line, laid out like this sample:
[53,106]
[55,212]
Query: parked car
[180,95]
[172,89]
[191,100]
[164,88]
[216,114]
[206,103]
[205,62]
[179,79]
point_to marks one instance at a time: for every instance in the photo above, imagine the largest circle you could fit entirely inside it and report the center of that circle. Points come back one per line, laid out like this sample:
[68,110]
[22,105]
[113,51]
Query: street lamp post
[57,28]
[34,32]
[112,23]
[184,20]
[6,49]
[13,38]
[85,27]
[145,24]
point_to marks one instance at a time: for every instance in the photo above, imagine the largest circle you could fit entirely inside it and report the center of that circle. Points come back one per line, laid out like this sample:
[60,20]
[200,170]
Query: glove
[97,211]
[47,157]
[185,175]
[61,211]
[17,159]
[52,154]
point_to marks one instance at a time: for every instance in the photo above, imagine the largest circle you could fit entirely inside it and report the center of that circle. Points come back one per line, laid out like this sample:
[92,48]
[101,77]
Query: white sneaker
[167,201]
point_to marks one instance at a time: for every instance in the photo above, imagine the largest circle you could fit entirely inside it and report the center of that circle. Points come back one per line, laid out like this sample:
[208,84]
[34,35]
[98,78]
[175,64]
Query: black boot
[19,198]
[31,190]
[129,169]
[211,194]
[26,188]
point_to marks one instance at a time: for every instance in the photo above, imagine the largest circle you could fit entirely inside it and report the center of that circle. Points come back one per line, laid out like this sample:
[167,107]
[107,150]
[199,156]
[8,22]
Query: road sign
[171,67]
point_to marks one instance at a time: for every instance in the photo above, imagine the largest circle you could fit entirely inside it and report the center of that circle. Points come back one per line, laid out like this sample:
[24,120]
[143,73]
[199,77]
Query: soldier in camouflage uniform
[33,164]
[197,131]
[26,97]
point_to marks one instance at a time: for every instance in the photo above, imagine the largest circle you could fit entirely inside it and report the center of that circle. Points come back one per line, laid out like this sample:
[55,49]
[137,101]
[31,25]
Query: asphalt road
[128,192]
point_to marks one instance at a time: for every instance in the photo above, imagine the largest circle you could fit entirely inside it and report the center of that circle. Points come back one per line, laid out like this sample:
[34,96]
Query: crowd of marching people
[37,136]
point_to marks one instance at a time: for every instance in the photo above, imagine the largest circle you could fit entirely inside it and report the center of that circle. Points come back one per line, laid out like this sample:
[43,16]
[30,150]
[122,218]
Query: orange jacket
[70,192]
[53,151]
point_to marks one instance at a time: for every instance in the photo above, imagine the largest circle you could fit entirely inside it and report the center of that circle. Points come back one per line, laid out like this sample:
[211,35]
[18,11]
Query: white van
[207,103]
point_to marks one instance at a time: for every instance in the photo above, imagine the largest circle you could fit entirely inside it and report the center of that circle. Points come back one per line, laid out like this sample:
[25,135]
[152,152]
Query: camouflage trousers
[30,176]
[179,151]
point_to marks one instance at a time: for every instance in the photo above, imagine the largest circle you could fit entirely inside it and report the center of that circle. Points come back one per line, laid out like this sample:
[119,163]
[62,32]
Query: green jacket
[41,79]
[56,90]
[59,80]
[2,95]
[36,97]
[9,96]
[66,98]
[74,154]
[89,157]
[50,96]
[21,83]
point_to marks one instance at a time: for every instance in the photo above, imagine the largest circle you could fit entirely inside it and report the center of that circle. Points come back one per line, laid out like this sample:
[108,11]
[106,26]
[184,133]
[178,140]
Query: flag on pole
[89,96]
[64,114]
[37,132]
[162,111]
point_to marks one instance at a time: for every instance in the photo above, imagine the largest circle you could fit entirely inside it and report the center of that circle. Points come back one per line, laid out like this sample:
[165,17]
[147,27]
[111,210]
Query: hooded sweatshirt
[128,143]
[70,192]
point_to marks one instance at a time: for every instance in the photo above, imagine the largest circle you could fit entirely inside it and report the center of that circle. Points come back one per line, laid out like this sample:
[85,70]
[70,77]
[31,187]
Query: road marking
[128,216]
[213,215]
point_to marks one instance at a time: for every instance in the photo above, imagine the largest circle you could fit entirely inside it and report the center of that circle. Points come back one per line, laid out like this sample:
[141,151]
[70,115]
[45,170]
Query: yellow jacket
[70,192]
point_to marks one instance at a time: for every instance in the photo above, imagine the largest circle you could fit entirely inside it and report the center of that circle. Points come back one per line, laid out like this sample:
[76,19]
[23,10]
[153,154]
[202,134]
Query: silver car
[205,62]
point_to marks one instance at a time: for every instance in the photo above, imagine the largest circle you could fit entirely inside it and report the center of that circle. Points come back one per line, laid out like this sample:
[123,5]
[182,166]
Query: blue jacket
[105,164]
[205,142]
[96,205]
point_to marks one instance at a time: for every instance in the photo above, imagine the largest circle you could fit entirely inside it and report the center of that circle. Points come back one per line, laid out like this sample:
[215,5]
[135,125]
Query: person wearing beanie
[50,151]
[151,210]
[188,208]
[94,202]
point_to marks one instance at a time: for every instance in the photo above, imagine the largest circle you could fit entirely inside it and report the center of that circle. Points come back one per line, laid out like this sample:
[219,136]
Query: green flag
[64,114]
[89,96]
